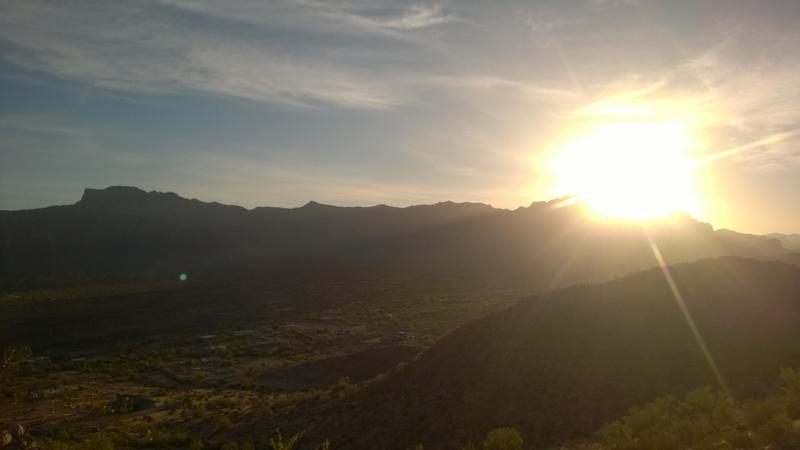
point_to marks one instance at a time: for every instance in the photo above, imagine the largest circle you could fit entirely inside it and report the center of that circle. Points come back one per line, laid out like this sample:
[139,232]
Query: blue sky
[361,102]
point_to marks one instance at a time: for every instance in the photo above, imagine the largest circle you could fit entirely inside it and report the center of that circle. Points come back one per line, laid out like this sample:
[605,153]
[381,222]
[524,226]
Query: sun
[630,170]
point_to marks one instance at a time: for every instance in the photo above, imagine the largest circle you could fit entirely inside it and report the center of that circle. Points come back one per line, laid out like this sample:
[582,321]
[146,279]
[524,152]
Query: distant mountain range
[125,233]
[559,366]
[789,241]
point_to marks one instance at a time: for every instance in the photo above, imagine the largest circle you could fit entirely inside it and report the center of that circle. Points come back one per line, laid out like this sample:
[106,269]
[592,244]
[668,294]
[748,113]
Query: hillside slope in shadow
[560,365]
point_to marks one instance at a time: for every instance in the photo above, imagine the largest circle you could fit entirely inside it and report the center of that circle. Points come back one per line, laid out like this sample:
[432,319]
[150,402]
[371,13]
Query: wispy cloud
[752,99]
[477,81]
[300,53]
[51,135]
[739,91]
[138,47]
[38,123]
[383,17]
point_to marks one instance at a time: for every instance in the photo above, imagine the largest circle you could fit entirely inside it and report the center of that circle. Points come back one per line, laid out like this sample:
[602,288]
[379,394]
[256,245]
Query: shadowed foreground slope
[559,366]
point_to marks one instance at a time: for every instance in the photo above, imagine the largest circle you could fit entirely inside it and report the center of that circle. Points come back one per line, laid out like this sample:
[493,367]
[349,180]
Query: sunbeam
[676,294]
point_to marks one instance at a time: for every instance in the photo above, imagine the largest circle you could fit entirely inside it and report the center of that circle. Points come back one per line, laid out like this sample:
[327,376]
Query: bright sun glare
[630,170]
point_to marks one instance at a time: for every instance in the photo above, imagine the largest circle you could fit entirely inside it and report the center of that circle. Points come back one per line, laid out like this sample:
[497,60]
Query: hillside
[123,234]
[789,241]
[559,366]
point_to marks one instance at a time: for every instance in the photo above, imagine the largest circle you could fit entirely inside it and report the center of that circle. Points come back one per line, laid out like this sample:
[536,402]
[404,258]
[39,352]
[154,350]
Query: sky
[362,102]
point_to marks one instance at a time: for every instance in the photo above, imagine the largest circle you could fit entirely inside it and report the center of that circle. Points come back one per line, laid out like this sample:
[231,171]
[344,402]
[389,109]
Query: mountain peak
[134,199]
[112,194]
[313,204]
[317,206]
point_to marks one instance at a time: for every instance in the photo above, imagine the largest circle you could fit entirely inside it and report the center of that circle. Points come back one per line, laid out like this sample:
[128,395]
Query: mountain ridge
[120,193]
[126,233]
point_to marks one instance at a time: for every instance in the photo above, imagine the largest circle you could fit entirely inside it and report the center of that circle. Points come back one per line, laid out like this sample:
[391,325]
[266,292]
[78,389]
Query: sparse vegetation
[708,419]
[251,372]
[503,439]
[12,355]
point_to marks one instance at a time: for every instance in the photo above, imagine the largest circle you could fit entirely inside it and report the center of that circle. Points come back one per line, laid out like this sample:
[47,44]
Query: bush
[97,442]
[503,439]
[224,423]
[277,442]
[344,388]
[11,356]
[707,419]
[703,420]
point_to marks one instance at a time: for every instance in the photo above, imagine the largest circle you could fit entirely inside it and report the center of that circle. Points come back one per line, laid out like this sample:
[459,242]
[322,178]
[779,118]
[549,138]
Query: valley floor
[175,364]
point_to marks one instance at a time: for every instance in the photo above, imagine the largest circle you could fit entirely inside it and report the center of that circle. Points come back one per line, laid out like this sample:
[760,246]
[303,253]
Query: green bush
[707,419]
[277,442]
[503,439]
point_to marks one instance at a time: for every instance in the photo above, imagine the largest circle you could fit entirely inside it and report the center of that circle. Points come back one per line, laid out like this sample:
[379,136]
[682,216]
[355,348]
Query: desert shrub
[163,438]
[223,423]
[503,439]
[704,420]
[707,419]
[96,442]
[277,442]
[344,388]
[791,388]
[11,356]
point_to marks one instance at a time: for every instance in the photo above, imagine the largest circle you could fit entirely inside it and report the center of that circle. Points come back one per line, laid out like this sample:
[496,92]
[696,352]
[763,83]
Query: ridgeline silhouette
[126,234]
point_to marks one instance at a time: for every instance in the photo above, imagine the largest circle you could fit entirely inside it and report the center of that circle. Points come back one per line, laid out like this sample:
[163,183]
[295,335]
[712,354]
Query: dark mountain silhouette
[124,233]
[560,365]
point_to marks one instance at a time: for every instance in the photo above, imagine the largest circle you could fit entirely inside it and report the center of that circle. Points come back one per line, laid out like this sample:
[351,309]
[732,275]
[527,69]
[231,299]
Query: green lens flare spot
[183,277]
